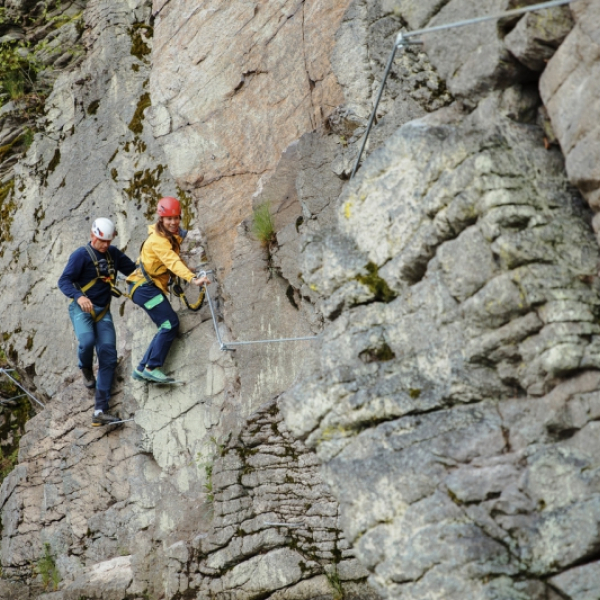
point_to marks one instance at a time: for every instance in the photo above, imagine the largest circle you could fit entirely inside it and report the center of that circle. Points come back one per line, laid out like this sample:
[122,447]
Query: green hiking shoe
[156,376]
[138,375]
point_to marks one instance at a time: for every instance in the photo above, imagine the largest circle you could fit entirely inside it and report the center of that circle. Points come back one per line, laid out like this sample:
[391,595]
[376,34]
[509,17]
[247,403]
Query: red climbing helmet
[168,207]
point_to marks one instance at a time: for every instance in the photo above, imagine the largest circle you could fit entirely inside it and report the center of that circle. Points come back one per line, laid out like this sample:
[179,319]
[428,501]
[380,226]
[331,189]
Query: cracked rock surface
[114,509]
[568,87]
[454,409]
[275,524]
[438,440]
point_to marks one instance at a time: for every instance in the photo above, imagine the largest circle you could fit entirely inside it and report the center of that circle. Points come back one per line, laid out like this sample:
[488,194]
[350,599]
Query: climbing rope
[226,345]
[403,40]
[29,395]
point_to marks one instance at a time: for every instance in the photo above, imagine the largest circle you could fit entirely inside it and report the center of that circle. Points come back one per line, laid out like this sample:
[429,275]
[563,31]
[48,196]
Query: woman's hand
[200,281]
[85,303]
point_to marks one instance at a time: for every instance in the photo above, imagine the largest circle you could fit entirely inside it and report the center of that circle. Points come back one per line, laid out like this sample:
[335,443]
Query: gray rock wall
[452,396]
[457,336]
[461,337]
[112,508]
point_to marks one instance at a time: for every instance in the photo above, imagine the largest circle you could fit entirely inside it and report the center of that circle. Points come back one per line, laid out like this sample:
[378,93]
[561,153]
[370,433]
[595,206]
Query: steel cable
[403,40]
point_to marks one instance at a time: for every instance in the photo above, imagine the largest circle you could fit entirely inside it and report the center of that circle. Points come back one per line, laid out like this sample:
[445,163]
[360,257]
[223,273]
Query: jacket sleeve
[171,259]
[71,276]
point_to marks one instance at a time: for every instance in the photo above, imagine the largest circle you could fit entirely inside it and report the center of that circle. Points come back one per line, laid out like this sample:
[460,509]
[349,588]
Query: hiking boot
[88,378]
[156,376]
[138,375]
[103,419]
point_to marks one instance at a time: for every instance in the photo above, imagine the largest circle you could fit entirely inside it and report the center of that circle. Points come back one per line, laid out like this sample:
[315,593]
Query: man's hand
[200,281]
[85,304]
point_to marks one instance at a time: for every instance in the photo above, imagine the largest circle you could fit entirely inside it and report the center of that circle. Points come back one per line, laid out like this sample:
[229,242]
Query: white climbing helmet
[104,229]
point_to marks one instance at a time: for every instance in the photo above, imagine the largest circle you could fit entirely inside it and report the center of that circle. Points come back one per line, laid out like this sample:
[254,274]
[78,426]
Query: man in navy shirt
[88,280]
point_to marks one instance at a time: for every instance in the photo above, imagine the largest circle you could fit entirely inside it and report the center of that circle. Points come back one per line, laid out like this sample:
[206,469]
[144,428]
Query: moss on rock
[378,286]
[136,125]
[7,209]
[139,47]
[187,206]
[143,189]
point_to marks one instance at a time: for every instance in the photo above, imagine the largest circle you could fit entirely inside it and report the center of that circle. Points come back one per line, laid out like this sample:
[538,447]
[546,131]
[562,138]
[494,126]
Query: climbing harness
[175,286]
[226,346]
[26,393]
[106,273]
[403,40]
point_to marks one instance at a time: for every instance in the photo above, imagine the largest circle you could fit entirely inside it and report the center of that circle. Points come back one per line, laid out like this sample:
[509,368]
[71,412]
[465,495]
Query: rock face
[463,335]
[104,505]
[275,524]
[567,86]
[455,310]
[438,438]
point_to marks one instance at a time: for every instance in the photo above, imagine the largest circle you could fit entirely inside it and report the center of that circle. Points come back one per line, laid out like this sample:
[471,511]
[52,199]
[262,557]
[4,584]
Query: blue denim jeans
[155,303]
[102,336]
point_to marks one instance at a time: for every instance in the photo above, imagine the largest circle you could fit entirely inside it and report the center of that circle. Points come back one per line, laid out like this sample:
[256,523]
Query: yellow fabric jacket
[160,260]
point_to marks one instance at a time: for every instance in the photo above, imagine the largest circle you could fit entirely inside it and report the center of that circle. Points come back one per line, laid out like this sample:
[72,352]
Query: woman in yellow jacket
[159,259]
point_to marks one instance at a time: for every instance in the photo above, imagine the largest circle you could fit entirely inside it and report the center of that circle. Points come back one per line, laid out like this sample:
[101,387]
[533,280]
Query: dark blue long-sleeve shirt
[80,270]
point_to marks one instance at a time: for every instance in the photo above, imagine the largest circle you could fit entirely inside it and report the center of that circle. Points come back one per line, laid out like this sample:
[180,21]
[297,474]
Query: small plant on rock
[14,85]
[46,567]
[263,227]
[27,137]
[208,484]
[208,466]
[333,577]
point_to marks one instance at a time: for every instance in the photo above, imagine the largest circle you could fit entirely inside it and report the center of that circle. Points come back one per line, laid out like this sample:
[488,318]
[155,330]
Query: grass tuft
[46,567]
[263,227]
[14,85]
[333,577]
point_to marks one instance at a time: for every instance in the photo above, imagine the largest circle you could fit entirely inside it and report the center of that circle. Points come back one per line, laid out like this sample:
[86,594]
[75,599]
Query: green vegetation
[8,463]
[7,210]
[143,189]
[12,417]
[263,227]
[23,58]
[208,466]
[139,48]
[208,485]
[378,286]
[46,567]
[27,138]
[14,85]
[333,577]
[187,205]
[136,125]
